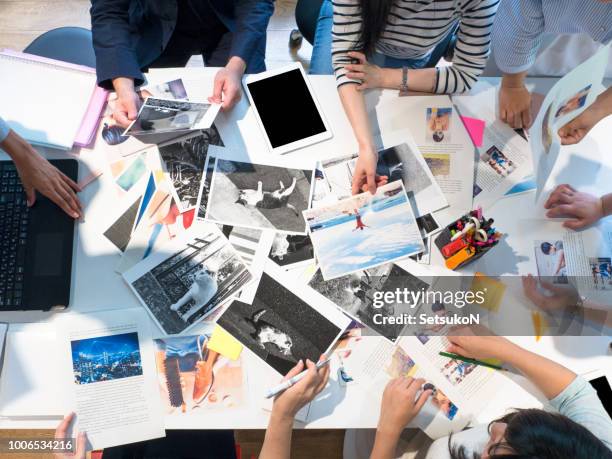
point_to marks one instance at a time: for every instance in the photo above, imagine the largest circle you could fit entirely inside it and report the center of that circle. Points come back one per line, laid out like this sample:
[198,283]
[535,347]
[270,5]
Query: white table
[96,286]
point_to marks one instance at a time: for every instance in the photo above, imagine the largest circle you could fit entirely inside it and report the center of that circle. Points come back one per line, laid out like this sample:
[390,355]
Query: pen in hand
[274,391]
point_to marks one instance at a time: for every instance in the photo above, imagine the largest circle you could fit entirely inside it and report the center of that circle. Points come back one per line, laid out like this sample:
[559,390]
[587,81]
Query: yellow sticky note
[159,176]
[492,289]
[539,324]
[224,343]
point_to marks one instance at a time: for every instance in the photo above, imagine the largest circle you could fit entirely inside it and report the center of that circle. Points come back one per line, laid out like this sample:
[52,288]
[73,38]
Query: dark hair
[533,433]
[374,14]
[545,247]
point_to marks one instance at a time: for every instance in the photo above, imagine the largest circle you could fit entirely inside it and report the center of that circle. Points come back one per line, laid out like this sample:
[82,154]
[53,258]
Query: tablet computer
[286,109]
[601,381]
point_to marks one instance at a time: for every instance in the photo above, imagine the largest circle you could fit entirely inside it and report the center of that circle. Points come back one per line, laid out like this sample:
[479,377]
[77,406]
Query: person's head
[534,433]
[547,248]
[374,15]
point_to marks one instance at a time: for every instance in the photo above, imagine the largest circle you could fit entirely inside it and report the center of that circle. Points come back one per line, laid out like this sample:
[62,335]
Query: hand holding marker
[274,391]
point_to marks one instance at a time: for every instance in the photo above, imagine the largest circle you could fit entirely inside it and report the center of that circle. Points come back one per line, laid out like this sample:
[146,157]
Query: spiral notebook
[49,102]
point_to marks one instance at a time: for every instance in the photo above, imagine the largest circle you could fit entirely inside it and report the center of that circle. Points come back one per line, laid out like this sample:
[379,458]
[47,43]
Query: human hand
[288,403]
[515,106]
[583,209]
[559,296]
[37,173]
[227,90]
[400,404]
[464,342]
[61,433]
[371,76]
[575,130]
[128,102]
[364,176]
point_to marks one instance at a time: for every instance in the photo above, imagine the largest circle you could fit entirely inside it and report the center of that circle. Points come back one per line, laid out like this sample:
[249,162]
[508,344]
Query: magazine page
[109,366]
[443,141]
[567,99]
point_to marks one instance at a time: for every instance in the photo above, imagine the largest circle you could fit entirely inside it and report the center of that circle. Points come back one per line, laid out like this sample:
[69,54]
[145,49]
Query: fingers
[217,89]
[62,429]
[561,195]
[562,210]
[30,194]
[503,115]
[356,76]
[371,180]
[422,400]
[81,445]
[574,224]
[359,56]
[356,185]
[527,119]
[62,198]
[231,96]
[132,110]
[121,117]
[297,369]
[381,180]
[71,183]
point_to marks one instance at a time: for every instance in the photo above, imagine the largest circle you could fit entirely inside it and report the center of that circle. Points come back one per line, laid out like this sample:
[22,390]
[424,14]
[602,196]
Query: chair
[306,15]
[68,44]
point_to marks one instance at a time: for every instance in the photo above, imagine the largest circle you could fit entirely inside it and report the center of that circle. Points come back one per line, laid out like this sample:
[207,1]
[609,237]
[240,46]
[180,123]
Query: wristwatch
[403,89]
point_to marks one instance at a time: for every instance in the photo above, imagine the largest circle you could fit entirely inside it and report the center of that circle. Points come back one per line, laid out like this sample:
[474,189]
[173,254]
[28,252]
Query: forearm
[277,443]
[550,377]
[419,80]
[514,80]
[385,444]
[15,146]
[606,204]
[236,64]
[355,109]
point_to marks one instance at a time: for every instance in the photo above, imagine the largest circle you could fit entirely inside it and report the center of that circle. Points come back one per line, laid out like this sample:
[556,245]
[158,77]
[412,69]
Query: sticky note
[492,290]
[539,325]
[475,129]
[224,343]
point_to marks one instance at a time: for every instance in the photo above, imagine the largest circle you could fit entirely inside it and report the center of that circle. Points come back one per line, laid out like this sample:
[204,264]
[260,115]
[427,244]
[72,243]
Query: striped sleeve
[517,35]
[471,49]
[345,35]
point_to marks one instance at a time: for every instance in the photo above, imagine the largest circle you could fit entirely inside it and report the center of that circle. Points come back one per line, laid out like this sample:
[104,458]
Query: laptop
[36,245]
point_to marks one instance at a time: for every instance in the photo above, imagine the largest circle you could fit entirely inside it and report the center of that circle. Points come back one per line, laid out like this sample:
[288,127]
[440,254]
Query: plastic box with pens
[467,239]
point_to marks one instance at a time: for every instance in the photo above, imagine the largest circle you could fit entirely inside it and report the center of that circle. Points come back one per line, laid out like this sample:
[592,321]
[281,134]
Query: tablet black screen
[286,109]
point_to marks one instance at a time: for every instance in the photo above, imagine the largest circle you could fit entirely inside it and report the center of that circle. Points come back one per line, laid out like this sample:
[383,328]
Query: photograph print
[499,162]
[550,260]
[354,294]
[184,161]
[162,116]
[288,250]
[106,358]
[574,103]
[188,283]
[601,269]
[195,379]
[364,231]
[280,327]
[438,122]
[259,196]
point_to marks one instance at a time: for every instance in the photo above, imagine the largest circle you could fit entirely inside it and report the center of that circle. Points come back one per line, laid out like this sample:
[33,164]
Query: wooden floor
[21,21]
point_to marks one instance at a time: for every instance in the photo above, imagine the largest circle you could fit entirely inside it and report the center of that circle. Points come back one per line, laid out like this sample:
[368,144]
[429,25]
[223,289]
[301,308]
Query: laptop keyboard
[13,236]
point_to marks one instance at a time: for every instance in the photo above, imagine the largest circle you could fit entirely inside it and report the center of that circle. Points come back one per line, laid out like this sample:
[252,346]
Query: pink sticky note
[475,128]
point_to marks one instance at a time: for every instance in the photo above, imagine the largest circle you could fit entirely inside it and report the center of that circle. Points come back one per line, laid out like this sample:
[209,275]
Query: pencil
[450,355]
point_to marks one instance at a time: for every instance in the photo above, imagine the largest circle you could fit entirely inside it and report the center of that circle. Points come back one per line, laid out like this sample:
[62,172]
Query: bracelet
[403,89]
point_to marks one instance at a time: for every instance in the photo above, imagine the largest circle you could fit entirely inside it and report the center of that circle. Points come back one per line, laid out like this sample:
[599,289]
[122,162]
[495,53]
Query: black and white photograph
[120,231]
[259,196]
[184,162]
[188,281]
[424,257]
[280,327]
[204,192]
[160,116]
[290,250]
[355,292]
[427,224]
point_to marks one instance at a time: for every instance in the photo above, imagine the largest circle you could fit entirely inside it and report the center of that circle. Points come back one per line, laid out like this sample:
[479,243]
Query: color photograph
[184,162]
[364,231]
[574,103]
[259,196]
[499,162]
[190,283]
[550,260]
[279,327]
[439,163]
[194,379]
[106,358]
[601,268]
[438,122]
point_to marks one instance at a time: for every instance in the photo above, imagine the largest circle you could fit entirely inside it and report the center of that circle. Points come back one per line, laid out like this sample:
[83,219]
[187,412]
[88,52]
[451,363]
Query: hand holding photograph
[161,116]
[259,196]
[364,231]
[286,322]
[189,279]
